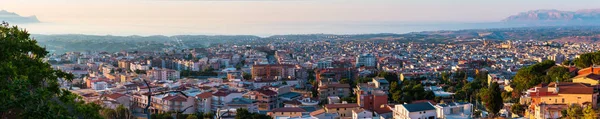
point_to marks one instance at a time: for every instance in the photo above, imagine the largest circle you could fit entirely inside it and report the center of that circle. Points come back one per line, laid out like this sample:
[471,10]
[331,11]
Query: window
[563,100]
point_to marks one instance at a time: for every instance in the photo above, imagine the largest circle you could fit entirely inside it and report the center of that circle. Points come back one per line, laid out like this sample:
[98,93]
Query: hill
[12,17]
[556,15]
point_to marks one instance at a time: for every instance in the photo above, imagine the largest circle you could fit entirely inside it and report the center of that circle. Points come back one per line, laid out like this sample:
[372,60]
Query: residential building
[362,114]
[366,60]
[287,112]
[163,74]
[267,99]
[454,110]
[422,110]
[203,102]
[273,71]
[343,110]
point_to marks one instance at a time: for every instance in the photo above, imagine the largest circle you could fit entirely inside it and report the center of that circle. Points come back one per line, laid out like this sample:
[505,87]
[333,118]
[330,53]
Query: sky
[265,17]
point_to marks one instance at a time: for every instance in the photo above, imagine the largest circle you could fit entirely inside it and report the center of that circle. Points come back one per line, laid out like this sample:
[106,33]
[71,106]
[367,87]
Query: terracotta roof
[288,109]
[175,98]
[341,105]
[267,92]
[591,76]
[221,93]
[204,95]
[115,95]
[383,110]
[293,102]
[317,112]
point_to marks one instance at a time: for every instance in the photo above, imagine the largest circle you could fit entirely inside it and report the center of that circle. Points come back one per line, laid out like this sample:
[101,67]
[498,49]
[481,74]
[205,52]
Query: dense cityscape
[299,59]
[330,79]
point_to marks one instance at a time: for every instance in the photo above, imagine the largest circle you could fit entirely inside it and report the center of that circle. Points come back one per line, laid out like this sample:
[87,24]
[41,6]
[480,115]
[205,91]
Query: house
[221,97]
[563,93]
[555,94]
[203,102]
[120,99]
[454,110]
[362,114]
[287,112]
[343,110]
[381,83]
[590,75]
[371,99]
[267,99]
[422,110]
[327,89]
[249,104]
[322,114]
[549,111]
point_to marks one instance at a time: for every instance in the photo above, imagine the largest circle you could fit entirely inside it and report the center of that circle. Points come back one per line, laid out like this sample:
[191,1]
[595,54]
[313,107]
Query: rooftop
[415,107]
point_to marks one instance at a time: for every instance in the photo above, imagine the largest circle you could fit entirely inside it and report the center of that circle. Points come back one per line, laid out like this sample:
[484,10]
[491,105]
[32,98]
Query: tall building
[367,60]
[273,71]
[163,74]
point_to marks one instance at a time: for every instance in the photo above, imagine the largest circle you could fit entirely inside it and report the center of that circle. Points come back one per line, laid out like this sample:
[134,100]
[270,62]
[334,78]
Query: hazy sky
[147,17]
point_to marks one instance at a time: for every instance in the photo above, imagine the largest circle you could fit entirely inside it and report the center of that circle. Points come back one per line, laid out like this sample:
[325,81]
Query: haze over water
[271,17]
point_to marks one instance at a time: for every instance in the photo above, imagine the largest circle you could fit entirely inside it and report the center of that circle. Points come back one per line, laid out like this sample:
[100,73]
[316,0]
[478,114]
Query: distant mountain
[12,17]
[586,15]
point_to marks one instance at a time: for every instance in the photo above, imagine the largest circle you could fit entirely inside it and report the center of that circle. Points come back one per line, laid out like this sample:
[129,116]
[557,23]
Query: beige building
[344,110]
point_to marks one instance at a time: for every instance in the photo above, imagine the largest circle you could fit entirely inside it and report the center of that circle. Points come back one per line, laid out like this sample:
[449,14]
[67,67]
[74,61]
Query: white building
[367,60]
[163,74]
[362,114]
[100,85]
[454,110]
[423,110]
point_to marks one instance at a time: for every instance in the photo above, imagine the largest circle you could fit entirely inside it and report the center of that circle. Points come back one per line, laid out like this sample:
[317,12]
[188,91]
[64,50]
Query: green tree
[587,60]
[29,87]
[589,113]
[517,109]
[247,76]
[192,116]
[350,99]
[108,113]
[242,113]
[530,76]
[492,99]
[557,73]
[574,111]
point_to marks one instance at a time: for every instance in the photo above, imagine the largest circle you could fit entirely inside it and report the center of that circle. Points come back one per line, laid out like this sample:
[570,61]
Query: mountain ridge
[12,17]
[555,15]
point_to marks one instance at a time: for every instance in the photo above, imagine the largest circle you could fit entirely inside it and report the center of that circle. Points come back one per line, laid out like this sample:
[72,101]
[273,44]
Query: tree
[108,113]
[574,111]
[29,87]
[124,113]
[530,76]
[587,60]
[350,99]
[247,76]
[517,109]
[242,113]
[589,113]
[492,99]
[557,73]
[192,116]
